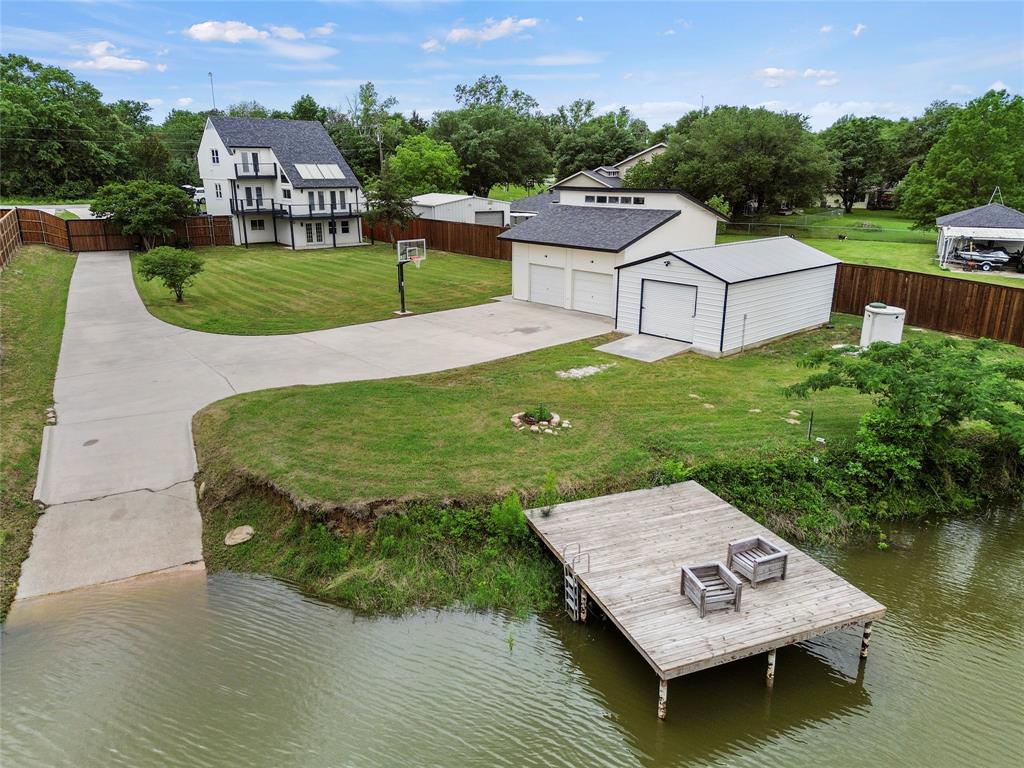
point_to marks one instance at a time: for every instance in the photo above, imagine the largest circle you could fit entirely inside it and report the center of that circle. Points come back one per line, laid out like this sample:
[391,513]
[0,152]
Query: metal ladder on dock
[574,596]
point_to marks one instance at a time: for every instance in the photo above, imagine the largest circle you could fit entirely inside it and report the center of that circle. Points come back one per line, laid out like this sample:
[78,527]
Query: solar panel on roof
[331,171]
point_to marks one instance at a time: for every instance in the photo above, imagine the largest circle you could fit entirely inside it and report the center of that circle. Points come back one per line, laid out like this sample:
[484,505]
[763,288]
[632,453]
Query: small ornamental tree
[388,204]
[174,267]
[925,392]
[143,208]
[720,204]
[421,164]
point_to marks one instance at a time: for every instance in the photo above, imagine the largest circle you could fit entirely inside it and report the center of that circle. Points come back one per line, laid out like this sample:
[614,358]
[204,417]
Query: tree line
[60,139]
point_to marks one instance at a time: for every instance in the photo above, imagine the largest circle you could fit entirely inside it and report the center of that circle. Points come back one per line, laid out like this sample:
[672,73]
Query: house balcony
[288,210]
[256,170]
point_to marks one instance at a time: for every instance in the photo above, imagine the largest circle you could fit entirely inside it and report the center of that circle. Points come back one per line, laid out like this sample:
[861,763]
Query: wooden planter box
[757,560]
[711,587]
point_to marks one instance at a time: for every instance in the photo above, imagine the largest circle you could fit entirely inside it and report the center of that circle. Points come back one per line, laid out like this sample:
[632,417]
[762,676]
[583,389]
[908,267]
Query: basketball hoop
[408,252]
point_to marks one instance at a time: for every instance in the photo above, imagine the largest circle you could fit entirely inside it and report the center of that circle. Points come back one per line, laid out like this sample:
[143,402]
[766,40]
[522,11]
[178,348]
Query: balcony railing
[256,170]
[295,210]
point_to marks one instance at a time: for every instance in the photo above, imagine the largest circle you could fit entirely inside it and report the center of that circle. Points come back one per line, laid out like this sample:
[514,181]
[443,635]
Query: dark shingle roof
[536,203]
[293,141]
[994,215]
[590,227]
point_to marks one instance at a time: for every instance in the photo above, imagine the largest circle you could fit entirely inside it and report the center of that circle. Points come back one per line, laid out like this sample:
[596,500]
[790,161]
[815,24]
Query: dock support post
[662,699]
[583,607]
[866,640]
[770,677]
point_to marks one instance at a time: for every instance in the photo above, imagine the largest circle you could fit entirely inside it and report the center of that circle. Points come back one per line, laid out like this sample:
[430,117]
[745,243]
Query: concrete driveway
[116,471]
[81,210]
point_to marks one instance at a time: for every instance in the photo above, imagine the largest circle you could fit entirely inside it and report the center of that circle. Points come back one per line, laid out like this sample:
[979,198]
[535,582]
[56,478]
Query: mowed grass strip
[448,436]
[33,297]
[913,257]
[274,290]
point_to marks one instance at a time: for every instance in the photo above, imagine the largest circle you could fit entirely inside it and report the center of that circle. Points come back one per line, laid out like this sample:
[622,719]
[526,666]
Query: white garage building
[464,209]
[725,298]
[566,256]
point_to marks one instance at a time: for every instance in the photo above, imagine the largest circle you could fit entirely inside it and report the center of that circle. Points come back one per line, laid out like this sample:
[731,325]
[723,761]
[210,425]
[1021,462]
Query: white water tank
[882,323]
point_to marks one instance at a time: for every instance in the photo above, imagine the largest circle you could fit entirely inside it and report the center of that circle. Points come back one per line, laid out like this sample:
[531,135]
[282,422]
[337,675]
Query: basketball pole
[401,283]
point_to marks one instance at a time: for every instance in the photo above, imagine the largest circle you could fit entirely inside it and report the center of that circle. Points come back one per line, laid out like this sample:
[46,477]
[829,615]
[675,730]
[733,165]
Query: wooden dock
[631,548]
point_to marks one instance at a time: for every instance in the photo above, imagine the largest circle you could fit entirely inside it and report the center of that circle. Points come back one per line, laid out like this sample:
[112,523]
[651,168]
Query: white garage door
[667,310]
[592,292]
[494,218]
[547,284]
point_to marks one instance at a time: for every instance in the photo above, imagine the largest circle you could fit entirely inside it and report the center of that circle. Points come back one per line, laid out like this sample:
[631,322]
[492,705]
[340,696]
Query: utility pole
[213,97]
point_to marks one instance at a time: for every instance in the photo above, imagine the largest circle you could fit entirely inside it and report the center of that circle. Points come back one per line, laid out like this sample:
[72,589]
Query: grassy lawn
[914,257]
[42,201]
[451,439]
[33,296]
[271,289]
[514,191]
[67,215]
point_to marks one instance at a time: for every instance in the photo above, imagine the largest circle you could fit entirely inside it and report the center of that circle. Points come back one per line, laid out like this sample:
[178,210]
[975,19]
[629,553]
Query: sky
[659,59]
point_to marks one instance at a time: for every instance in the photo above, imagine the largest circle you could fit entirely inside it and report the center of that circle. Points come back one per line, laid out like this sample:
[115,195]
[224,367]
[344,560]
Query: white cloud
[106,57]
[286,33]
[828,82]
[490,30]
[775,77]
[300,51]
[154,102]
[826,29]
[579,18]
[858,29]
[432,46]
[161,67]
[225,32]
[323,30]
[669,32]
[184,101]
[819,73]
[999,85]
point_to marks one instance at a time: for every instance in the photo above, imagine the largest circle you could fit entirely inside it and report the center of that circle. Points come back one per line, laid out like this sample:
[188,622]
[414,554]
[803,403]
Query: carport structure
[995,225]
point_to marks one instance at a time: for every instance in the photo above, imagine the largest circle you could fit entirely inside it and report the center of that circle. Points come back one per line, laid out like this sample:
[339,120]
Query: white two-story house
[281,181]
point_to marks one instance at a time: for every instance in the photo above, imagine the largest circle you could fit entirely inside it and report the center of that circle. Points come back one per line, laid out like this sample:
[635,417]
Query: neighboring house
[993,225]
[465,209]
[527,207]
[280,181]
[729,297]
[566,255]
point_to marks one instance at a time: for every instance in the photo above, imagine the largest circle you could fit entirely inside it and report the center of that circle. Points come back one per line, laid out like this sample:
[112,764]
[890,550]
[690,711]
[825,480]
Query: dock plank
[638,542]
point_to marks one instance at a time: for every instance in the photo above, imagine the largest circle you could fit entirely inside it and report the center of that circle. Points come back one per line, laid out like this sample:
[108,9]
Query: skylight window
[319,171]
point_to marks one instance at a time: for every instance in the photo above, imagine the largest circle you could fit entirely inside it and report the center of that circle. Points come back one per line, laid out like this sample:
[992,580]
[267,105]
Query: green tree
[174,267]
[134,114]
[306,108]
[497,136]
[602,140]
[983,148]
[908,141]
[142,208]
[369,131]
[925,392]
[720,204]
[747,155]
[421,164]
[150,158]
[182,131]
[388,204]
[856,145]
[250,108]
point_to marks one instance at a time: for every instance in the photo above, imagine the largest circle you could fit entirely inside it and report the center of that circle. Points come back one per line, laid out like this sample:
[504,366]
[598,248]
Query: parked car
[198,194]
[985,259]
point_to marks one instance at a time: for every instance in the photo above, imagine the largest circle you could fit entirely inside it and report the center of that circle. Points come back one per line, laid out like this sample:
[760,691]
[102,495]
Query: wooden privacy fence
[472,239]
[949,304]
[10,236]
[101,235]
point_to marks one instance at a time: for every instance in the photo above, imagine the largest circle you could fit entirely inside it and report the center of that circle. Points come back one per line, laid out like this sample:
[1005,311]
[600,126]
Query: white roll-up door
[592,292]
[547,285]
[494,218]
[667,310]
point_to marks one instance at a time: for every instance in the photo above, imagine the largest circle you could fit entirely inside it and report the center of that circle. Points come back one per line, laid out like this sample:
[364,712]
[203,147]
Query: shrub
[507,520]
[538,414]
[175,268]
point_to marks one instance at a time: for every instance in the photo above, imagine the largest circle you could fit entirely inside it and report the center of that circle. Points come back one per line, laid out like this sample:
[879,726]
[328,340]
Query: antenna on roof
[213,97]
[996,191]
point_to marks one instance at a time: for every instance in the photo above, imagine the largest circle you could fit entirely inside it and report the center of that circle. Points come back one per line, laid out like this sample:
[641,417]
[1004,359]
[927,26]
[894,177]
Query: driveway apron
[116,471]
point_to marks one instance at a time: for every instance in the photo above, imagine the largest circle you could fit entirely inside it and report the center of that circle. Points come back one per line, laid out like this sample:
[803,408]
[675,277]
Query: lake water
[236,670]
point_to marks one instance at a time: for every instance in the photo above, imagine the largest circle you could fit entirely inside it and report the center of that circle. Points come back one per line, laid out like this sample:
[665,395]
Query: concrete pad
[98,458]
[646,349]
[92,542]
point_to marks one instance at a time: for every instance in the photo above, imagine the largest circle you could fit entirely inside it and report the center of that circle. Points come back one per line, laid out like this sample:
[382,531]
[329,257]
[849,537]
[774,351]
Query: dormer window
[588,198]
[215,156]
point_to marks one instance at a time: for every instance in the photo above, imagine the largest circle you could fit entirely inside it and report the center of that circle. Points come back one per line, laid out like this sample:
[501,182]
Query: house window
[257,225]
[286,194]
[320,198]
[309,233]
[334,199]
[248,195]
[215,156]
[319,232]
[613,200]
[342,193]
[312,201]
[345,227]
[284,179]
[588,198]
[331,227]
[638,201]
[259,195]
[602,199]
[217,191]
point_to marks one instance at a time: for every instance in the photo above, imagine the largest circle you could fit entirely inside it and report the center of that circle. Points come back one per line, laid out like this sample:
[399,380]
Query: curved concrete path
[116,471]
